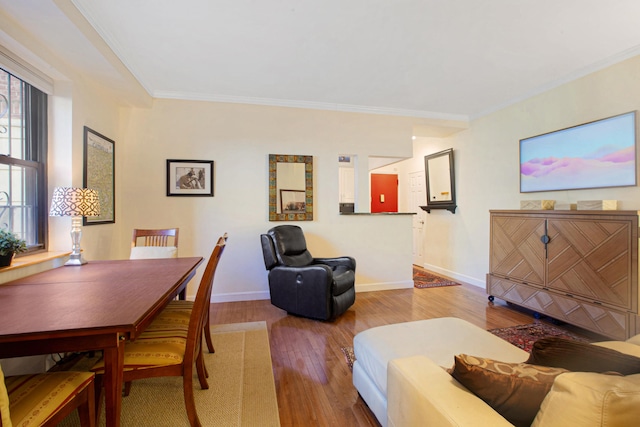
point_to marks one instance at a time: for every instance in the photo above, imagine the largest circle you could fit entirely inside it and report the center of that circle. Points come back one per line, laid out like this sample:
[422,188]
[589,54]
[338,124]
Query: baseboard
[253,296]
[456,276]
[367,287]
[240,296]
[386,286]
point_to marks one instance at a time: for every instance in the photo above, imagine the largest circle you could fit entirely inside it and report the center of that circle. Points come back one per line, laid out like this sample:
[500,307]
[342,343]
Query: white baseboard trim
[456,276]
[253,296]
[240,296]
[370,287]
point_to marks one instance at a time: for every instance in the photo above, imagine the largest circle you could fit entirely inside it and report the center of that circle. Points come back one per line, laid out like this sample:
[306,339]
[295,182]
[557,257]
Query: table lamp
[76,203]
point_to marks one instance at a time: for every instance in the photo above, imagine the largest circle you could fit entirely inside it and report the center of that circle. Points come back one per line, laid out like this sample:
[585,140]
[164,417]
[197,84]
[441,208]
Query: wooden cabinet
[580,267]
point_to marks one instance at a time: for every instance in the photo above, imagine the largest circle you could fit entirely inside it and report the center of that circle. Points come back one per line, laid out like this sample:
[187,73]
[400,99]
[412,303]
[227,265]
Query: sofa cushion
[514,390]
[441,338]
[634,340]
[621,346]
[581,357]
[421,393]
[589,399]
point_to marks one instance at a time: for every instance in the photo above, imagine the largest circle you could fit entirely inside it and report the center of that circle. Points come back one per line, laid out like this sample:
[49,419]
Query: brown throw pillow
[514,390]
[581,357]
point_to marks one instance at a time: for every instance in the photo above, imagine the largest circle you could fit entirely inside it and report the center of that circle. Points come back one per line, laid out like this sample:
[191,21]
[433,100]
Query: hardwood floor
[313,381]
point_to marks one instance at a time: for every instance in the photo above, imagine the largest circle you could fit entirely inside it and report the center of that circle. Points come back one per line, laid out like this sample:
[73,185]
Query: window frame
[35,145]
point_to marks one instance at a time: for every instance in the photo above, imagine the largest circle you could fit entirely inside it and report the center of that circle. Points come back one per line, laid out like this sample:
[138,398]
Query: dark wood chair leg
[207,335]
[202,370]
[98,395]
[127,388]
[87,410]
[189,400]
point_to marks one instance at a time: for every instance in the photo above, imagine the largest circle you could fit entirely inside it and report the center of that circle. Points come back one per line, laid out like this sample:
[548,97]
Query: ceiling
[435,59]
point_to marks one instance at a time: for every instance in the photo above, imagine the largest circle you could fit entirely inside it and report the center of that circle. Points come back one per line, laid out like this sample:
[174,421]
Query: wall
[487,164]
[85,104]
[239,139]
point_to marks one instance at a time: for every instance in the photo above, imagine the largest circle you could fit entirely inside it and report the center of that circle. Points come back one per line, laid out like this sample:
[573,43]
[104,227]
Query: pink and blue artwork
[593,155]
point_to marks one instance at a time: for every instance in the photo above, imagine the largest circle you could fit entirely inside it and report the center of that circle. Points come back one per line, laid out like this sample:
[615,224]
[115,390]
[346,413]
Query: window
[23,153]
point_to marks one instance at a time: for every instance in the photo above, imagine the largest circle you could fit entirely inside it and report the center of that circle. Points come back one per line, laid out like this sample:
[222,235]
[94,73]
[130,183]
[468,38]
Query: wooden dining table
[96,306]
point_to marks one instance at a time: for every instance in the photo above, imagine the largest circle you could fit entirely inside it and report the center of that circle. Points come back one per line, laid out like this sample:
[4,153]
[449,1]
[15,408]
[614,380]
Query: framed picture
[592,155]
[293,201]
[99,174]
[190,178]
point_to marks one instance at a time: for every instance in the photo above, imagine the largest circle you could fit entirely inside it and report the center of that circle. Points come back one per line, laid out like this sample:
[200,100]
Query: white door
[347,184]
[418,196]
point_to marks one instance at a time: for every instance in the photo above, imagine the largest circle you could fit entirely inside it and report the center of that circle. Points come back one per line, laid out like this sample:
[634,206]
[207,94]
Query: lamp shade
[71,201]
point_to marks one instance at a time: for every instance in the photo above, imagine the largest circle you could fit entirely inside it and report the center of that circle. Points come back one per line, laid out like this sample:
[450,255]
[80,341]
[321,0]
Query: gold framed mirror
[290,187]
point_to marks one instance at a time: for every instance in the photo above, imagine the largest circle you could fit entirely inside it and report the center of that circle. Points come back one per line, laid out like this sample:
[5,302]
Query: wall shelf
[450,207]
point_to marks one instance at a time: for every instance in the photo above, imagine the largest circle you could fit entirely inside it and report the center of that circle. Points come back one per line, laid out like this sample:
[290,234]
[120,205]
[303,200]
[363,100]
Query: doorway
[418,197]
[384,193]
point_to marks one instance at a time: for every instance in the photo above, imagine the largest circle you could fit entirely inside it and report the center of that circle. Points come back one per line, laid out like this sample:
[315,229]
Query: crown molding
[584,71]
[272,102]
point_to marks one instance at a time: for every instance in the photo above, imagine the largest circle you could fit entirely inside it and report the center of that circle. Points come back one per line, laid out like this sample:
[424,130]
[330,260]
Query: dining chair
[154,243]
[162,351]
[178,311]
[46,399]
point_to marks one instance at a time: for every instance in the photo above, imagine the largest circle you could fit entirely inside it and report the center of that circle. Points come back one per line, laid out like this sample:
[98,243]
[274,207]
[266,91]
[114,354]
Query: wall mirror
[290,187]
[441,188]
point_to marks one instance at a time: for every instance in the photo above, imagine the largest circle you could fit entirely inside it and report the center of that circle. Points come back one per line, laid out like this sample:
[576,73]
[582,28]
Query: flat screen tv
[592,155]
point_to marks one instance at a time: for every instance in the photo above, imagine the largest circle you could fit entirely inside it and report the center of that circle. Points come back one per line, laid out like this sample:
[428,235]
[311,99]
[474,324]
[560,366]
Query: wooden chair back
[155,237]
[193,354]
[199,314]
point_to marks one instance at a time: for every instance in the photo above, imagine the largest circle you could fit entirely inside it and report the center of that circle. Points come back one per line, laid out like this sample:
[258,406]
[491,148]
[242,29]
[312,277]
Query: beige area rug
[241,387]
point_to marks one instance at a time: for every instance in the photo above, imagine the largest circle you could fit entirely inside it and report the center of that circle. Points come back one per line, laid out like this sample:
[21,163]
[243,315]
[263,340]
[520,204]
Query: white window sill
[31,264]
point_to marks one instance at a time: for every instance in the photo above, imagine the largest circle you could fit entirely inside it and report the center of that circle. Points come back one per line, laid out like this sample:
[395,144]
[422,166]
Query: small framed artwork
[190,178]
[293,201]
[99,174]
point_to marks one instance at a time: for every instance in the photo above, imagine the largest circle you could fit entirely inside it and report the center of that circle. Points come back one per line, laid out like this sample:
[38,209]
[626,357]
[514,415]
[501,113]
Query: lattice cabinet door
[516,251]
[591,259]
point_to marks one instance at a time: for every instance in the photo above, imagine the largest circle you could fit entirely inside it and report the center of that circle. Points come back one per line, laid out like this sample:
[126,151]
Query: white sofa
[438,339]
[399,373]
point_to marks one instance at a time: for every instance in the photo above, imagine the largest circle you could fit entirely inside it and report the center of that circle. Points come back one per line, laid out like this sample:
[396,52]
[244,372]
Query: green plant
[9,243]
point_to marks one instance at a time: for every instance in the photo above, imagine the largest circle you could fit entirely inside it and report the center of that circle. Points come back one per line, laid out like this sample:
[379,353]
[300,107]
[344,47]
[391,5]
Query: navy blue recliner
[317,288]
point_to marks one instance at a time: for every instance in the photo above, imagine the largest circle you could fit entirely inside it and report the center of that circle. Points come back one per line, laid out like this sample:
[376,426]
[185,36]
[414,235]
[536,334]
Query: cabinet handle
[545,239]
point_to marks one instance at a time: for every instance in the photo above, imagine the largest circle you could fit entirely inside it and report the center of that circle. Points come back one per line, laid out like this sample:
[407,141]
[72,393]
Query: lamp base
[76,233]
[75,260]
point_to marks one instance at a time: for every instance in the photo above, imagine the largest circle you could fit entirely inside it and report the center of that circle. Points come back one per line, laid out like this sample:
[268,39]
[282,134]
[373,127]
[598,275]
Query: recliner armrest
[338,261]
